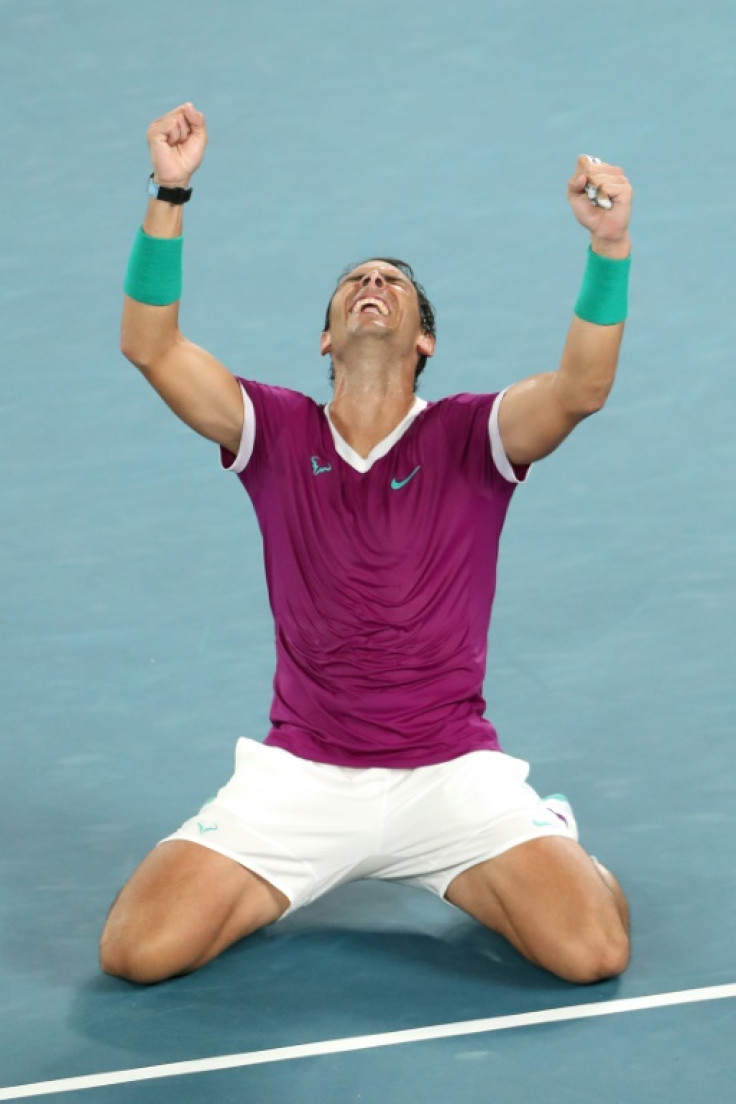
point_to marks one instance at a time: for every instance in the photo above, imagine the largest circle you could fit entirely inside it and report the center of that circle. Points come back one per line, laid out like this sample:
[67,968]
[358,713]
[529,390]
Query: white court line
[368,1042]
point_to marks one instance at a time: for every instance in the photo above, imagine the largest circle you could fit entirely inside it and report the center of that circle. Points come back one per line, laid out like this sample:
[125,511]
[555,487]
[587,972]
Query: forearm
[537,414]
[588,366]
[590,356]
[149,332]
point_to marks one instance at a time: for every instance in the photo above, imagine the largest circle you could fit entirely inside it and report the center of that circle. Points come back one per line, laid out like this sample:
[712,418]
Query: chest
[413,503]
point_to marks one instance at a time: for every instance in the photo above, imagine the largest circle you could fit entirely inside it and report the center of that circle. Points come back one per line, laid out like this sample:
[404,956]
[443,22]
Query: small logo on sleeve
[318,467]
[397,484]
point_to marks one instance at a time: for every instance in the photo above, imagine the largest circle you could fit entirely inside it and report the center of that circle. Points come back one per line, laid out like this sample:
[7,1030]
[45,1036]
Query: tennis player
[381,516]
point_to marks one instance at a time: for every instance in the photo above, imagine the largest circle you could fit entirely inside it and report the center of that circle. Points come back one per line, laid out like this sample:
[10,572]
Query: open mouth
[370,305]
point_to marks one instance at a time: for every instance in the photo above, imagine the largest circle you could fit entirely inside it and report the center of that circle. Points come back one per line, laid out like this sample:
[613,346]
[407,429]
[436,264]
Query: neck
[367,407]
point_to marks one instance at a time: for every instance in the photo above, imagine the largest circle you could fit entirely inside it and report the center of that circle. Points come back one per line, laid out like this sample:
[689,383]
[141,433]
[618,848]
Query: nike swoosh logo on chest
[397,484]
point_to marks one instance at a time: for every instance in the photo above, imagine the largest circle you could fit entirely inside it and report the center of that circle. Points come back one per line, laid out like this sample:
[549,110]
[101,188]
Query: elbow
[591,400]
[133,350]
[593,404]
[147,333]
[129,351]
[143,354]
[137,358]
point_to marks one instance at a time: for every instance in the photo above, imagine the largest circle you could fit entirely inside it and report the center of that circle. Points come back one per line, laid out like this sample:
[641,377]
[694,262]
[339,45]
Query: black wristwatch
[168,195]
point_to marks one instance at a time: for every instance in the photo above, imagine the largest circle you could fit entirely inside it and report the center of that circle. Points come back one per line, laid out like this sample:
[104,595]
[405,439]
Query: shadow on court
[313,978]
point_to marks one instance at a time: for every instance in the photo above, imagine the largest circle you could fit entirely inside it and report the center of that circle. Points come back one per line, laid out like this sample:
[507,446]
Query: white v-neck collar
[363,464]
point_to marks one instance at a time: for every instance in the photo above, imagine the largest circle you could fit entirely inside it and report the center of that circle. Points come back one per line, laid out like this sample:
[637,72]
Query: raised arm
[197,387]
[537,414]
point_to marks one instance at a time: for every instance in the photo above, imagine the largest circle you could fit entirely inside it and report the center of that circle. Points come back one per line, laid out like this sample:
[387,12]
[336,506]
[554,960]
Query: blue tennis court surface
[135,637]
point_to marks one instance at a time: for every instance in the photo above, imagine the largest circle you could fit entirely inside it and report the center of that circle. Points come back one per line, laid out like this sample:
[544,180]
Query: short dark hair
[426,310]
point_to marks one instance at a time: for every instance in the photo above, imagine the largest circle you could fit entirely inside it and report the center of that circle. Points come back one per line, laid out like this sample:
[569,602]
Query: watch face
[152,188]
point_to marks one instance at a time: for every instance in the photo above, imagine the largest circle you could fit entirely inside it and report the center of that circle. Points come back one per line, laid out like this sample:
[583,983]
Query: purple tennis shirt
[381,575]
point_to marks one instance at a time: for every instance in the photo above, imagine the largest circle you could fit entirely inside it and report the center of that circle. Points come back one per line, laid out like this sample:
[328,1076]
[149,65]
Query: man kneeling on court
[381,516]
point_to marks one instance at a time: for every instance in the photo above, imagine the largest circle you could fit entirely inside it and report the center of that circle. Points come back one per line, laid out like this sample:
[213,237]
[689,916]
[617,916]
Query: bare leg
[561,909]
[182,907]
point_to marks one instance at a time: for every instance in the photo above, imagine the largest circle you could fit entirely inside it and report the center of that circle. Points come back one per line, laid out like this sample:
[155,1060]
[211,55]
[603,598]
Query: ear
[425,345]
[325,343]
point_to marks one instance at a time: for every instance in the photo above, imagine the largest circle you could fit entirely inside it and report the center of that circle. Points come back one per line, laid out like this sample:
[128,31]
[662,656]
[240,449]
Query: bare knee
[605,950]
[183,906]
[143,959]
[596,956]
[597,946]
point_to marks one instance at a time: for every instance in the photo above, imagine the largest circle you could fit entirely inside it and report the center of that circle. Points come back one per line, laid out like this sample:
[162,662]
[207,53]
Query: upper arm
[200,391]
[537,414]
[533,419]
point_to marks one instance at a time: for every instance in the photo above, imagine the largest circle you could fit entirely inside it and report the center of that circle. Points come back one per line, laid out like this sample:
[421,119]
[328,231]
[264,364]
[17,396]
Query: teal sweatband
[604,295]
[154,270]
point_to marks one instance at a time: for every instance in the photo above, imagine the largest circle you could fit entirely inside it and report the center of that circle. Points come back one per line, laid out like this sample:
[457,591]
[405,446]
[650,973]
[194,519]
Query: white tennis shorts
[307,827]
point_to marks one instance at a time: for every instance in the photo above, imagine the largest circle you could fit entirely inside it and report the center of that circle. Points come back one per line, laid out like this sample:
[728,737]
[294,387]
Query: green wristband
[154,270]
[604,294]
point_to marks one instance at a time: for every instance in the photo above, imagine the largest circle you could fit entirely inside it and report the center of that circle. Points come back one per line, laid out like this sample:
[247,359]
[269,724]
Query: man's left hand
[609,227]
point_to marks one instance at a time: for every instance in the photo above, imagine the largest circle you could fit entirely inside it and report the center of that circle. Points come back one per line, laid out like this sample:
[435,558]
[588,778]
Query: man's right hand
[177,141]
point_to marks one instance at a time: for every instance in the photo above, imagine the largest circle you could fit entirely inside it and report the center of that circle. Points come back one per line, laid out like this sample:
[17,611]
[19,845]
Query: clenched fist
[608,224]
[177,141]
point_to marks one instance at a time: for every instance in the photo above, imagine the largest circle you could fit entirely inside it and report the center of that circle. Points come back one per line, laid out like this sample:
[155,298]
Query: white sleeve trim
[248,437]
[498,452]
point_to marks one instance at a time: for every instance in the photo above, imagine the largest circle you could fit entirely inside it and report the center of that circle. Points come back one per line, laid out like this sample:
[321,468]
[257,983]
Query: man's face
[375,300]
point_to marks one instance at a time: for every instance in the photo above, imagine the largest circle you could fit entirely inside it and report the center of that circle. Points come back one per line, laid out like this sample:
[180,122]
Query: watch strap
[168,195]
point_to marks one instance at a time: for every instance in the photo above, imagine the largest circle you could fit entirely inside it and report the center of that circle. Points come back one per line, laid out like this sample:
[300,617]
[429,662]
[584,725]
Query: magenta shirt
[381,582]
